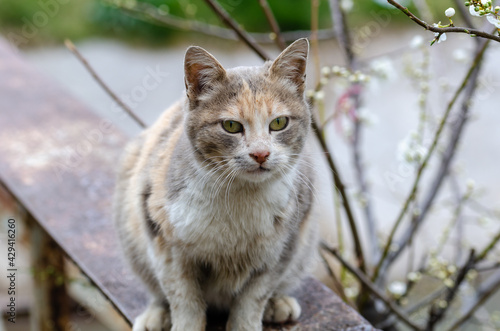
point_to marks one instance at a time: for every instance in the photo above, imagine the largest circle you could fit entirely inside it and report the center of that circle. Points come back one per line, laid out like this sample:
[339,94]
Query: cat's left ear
[291,64]
[201,72]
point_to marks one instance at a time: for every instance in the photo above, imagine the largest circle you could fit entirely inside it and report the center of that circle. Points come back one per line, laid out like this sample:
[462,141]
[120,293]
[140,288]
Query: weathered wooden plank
[58,160]
[51,302]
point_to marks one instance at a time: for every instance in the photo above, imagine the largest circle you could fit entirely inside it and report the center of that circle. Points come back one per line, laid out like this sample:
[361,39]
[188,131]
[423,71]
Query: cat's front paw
[282,309]
[154,318]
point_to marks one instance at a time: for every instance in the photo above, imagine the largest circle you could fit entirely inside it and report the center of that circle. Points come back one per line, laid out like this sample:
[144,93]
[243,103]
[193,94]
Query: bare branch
[487,288]
[453,29]
[366,203]
[343,36]
[426,301]
[464,13]
[345,200]
[273,24]
[341,31]
[488,248]
[153,15]
[315,46]
[436,313]
[489,267]
[338,285]
[372,288]
[423,9]
[470,82]
[242,34]
[92,72]
[459,242]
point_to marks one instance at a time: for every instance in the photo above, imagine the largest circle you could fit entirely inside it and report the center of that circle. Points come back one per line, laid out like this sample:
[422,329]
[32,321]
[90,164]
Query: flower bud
[325,71]
[450,12]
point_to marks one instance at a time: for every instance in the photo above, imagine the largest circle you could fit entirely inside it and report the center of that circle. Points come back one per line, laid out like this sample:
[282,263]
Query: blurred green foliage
[54,20]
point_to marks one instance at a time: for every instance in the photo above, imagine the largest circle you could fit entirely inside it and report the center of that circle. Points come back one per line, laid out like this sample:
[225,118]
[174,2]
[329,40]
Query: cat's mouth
[259,170]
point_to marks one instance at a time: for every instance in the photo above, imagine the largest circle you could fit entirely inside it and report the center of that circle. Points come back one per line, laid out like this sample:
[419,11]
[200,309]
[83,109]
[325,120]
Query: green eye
[232,126]
[278,123]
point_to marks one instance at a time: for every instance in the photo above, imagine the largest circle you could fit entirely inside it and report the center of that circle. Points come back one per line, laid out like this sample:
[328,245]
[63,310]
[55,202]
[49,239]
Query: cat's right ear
[201,72]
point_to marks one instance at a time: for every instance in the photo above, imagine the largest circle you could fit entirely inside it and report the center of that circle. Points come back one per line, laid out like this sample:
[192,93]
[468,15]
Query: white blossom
[397,288]
[441,37]
[470,184]
[366,116]
[383,68]
[417,41]
[472,11]
[450,12]
[443,304]
[346,5]
[320,95]
[460,55]
[414,276]
[448,282]
[325,71]
[494,20]
[410,150]
[351,292]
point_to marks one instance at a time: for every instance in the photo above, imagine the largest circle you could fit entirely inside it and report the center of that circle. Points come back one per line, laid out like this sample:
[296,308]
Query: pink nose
[260,157]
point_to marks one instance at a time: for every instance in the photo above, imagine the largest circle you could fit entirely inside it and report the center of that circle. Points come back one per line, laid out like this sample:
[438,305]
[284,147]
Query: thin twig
[488,248]
[423,9]
[480,208]
[340,232]
[457,213]
[344,37]
[469,31]
[280,41]
[437,313]
[410,283]
[487,289]
[426,301]
[464,13]
[371,287]
[366,203]
[342,32]
[339,185]
[338,285]
[242,34]
[470,82]
[151,14]
[315,45]
[490,267]
[80,57]
[460,220]
[387,258]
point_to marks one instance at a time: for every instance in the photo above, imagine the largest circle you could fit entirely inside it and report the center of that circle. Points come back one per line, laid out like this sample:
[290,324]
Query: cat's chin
[258,175]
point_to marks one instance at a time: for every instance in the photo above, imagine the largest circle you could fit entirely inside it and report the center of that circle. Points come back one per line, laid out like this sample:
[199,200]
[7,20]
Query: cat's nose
[260,156]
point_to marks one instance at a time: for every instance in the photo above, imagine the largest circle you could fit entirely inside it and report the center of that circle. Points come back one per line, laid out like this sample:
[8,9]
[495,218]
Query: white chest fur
[234,231]
[216,220]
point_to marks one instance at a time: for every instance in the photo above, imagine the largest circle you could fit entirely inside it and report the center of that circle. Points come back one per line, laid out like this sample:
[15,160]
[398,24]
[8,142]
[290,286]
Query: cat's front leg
[187,306]
[155,318]
[248,307]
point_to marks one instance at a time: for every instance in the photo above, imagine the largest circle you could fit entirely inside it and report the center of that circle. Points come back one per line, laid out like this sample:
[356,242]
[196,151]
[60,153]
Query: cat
[213,204]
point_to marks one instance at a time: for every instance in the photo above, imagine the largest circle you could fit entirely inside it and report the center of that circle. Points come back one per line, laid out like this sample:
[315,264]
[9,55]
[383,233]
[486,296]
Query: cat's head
[247,122]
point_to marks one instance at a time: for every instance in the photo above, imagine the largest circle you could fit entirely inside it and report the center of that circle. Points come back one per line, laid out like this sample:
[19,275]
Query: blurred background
[129,41]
